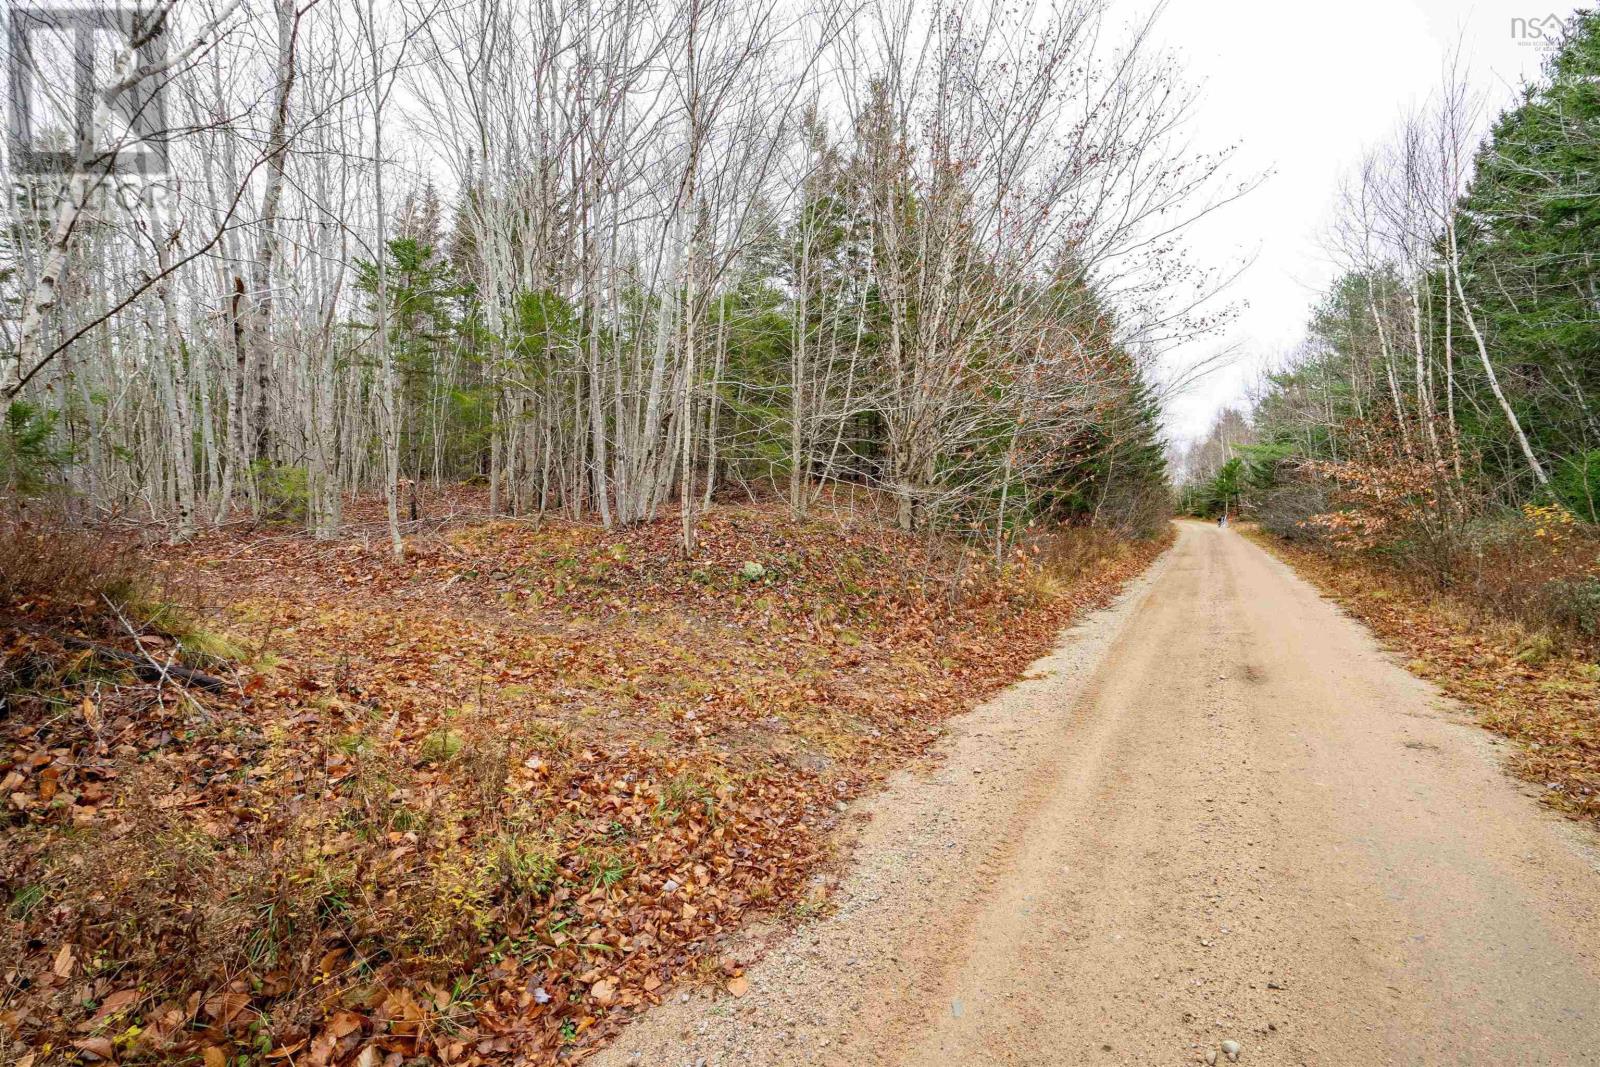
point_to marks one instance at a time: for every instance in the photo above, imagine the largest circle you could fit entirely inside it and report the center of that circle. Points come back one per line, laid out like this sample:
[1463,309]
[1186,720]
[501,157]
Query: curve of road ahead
[1218,812]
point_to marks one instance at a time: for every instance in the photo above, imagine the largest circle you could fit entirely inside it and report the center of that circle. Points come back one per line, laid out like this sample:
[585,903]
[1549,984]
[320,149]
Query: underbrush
[51,564]
[64,580]
[1537,568]
[482,804]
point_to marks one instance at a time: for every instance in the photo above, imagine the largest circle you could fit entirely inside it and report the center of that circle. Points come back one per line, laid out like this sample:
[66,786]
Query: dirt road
[1218,812]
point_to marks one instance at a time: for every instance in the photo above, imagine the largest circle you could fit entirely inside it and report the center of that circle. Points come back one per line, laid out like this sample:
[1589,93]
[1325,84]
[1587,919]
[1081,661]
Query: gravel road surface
[1217,821]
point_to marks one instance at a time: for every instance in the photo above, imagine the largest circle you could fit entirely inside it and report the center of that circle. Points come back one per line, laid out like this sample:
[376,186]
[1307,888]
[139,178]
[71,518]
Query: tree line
[610,258]
[1451,370]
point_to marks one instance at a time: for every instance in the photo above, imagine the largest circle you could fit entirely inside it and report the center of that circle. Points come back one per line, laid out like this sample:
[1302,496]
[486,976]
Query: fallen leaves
[497,797]
[224,1008]
[116,1003]
[96,1048]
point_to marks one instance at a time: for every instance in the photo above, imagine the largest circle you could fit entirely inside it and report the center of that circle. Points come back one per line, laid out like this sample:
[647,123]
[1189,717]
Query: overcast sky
[1307,87]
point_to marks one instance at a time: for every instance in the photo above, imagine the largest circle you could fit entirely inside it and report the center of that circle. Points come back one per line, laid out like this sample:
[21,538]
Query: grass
[142,608]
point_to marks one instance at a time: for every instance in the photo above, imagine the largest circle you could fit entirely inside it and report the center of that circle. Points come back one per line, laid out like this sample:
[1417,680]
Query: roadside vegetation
[1431,452]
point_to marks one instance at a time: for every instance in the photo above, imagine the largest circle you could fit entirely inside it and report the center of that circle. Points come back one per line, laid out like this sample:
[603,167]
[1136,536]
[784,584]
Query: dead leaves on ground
[482,805]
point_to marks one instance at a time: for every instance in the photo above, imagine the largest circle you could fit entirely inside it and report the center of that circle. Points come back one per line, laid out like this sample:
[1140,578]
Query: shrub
[1572,603]
[285,491]
[1286,510]
[1576,483]
[1137,509]
[61,579]
[28,456]
[1066,552]
[48,561]
[1534,566]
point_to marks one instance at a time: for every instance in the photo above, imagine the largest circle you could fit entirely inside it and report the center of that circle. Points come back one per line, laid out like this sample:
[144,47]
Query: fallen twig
[143,665]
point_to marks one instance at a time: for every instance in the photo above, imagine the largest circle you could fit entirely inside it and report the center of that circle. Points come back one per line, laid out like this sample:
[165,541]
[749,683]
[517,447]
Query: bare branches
[607,256]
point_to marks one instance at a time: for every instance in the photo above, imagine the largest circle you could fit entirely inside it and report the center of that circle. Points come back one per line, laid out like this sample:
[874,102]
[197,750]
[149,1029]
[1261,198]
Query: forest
[1439,414]
[609,261]
[484,484]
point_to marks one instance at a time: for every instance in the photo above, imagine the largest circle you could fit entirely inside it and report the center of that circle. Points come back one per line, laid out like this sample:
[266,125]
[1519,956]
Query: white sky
[1307,86]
